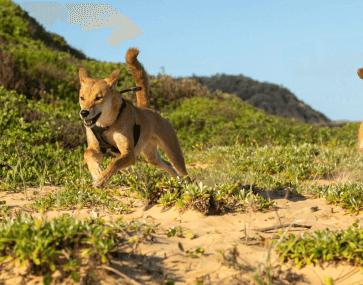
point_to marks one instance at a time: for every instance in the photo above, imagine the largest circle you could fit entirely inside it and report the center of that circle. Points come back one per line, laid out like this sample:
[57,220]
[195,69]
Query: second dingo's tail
[140,76]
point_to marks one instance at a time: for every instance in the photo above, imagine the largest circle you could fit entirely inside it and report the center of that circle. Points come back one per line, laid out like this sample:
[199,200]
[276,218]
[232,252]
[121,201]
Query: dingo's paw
[100,181]
[96,172]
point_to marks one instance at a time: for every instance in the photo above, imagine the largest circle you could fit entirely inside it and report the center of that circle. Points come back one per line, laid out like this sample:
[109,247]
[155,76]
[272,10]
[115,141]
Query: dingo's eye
[82,98]
[98,98]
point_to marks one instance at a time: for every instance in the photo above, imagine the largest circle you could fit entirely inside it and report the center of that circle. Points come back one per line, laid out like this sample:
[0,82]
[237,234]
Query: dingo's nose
[84,113]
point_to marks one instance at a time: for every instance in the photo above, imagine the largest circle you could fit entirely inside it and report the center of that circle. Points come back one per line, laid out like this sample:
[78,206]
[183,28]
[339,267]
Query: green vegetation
[80,197]
[347,195]
[325,245]
[248,153]
[226,120]
[65,243]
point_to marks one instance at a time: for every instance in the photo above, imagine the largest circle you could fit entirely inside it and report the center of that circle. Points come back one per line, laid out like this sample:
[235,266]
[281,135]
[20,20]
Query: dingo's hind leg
[152,156]
[173,150]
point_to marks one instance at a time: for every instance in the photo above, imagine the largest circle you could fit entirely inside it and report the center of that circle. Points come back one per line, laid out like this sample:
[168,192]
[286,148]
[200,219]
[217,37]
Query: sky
[313,48]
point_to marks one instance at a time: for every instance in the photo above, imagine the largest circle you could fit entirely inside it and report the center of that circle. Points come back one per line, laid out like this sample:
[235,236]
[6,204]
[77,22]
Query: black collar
[104,145]
[98,132]
[102,129]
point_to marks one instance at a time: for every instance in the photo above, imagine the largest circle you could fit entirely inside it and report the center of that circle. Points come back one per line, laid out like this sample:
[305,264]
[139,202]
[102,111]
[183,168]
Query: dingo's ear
[83,75]
[360,72]
[112,78]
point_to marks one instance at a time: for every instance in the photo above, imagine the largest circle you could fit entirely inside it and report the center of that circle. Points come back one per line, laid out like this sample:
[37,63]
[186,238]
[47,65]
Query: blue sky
[313,48]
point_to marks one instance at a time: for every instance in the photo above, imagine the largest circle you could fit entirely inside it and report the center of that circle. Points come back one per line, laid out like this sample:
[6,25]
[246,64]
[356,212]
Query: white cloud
[128,30]
[88,16]
[46,13]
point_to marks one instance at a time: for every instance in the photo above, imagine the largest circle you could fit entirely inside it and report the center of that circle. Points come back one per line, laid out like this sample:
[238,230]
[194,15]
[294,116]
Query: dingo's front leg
[94,161]
[119,163]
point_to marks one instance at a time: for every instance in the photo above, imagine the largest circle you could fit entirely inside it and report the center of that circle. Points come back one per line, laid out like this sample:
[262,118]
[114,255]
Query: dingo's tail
[140,76]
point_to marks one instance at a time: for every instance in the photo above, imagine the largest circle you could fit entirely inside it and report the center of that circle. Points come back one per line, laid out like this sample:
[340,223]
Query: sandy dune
[161,259]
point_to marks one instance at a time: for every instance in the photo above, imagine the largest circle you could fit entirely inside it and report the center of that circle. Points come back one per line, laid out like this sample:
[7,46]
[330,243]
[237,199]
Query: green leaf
[86,252]
[38,223]
[199,250]
[308,261]
[52,266]
[75,276]
[47,279]
[171,233]
[189,234]
[67,266]
[296,260]
[23,263]
[36,260]
[180,246]
[190,253]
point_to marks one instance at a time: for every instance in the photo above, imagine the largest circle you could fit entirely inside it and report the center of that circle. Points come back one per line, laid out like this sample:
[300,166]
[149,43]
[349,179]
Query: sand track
[161,257]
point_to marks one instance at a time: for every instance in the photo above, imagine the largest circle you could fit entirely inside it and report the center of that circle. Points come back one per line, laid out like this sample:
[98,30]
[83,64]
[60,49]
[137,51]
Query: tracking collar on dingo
[132,89]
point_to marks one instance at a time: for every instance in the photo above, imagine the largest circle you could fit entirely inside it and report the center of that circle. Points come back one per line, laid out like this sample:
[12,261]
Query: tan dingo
[360,134]
[115,125]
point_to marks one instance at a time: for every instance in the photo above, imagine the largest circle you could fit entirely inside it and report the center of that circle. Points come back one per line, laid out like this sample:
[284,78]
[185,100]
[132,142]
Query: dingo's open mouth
[92,122]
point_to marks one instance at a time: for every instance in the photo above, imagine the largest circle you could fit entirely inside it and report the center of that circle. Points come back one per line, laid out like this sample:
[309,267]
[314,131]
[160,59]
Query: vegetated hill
[32,61]
[42,65]
[11,14]
[275,100]
[219,119]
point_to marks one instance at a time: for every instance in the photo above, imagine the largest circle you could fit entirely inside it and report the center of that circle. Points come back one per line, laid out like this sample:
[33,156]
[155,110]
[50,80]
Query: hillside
[42,65]
[275,100]
[39,64]
[11,15]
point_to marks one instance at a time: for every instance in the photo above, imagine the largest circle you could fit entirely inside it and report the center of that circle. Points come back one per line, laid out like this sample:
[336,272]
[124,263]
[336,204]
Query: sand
[161,259]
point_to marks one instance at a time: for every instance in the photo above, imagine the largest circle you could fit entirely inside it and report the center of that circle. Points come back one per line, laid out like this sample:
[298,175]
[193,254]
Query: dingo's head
[96,96]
